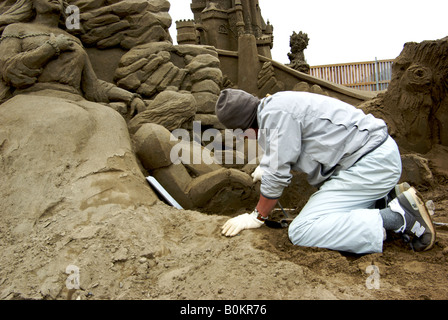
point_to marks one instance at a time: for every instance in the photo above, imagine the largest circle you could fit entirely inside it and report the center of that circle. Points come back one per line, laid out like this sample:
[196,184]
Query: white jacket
[313,134]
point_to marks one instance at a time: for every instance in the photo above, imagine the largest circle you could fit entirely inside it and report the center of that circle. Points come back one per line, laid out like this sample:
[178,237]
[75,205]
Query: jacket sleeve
[280,137]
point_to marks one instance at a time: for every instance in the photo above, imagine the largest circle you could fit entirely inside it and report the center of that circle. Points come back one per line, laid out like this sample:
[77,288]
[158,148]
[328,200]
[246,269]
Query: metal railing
[369,75]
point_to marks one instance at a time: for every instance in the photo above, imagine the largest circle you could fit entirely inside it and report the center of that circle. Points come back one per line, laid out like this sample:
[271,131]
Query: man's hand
[256,175]
[245,221]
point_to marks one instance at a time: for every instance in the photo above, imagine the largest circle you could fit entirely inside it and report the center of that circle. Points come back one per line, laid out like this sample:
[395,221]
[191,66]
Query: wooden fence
[370,75]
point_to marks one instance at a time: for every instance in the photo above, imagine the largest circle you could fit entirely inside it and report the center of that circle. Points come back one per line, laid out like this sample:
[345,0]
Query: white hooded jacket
[314,134]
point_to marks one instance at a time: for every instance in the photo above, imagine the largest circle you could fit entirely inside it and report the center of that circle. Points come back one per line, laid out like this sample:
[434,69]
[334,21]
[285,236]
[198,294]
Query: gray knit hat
[236,109]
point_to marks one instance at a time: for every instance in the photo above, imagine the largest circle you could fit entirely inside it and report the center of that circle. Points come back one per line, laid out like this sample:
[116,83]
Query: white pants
[340,216]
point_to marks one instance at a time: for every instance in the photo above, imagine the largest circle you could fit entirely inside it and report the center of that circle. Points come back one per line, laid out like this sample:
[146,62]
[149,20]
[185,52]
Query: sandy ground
[164,253]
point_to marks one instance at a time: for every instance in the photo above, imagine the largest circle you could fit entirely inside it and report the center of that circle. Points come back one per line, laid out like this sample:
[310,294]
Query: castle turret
[186,32]
[197,6]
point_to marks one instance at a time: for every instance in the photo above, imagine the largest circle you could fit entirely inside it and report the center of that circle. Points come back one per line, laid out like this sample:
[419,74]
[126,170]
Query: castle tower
[186,32]
[239,17]
[197,6]
[215,23]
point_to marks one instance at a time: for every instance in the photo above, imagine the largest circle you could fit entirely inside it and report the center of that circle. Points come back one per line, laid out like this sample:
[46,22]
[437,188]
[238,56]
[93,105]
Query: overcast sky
[345,30]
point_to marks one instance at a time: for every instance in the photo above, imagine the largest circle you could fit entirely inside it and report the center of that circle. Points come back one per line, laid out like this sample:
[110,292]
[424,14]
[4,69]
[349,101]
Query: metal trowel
[282,223]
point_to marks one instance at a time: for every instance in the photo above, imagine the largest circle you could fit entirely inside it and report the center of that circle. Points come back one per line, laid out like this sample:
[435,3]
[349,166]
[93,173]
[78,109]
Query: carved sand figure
[52,88]
[298,43]
[38,55]
[204,185]
[40,59]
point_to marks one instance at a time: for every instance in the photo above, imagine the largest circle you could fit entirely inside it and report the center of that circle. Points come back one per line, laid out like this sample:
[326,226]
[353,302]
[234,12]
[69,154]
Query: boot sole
[415,200]
[402,187]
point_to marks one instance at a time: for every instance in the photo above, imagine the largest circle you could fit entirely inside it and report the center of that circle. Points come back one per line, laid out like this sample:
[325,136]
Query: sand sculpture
[51,90]
[298,43]
[86,113]
[220,23]
[416,102]
[156,82]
